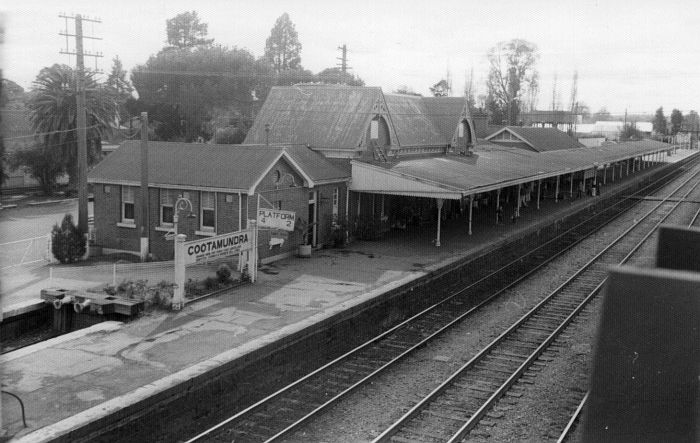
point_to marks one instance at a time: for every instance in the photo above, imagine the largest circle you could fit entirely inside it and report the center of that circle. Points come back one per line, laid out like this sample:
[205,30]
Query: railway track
[572,425]
[455,407]
[285,410]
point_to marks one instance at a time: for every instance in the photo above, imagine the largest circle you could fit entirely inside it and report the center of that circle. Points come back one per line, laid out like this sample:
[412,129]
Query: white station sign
[276,219]
[218,246]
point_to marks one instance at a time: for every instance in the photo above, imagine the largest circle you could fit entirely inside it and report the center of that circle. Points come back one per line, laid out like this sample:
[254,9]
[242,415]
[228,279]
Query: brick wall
[281,184]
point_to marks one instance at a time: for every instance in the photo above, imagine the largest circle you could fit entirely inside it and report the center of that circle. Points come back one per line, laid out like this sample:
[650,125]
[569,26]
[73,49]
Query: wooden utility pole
[343,58]
[343,63]
[144,187]
[81,129]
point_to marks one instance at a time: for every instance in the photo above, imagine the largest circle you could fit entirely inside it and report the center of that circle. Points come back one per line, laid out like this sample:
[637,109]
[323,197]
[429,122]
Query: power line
[48,133]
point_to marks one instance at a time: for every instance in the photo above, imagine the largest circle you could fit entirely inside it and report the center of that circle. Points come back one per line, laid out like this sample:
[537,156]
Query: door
[313,218]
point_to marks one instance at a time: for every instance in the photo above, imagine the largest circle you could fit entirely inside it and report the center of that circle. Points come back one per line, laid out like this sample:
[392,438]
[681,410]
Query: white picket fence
[28,251]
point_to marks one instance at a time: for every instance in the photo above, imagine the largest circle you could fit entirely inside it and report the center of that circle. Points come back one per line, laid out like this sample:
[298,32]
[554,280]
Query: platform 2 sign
[276,219]
[219,246]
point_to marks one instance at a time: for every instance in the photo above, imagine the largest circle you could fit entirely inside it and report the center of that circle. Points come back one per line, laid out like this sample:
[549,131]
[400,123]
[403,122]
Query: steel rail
[574,418]
[392,430]
[413,318]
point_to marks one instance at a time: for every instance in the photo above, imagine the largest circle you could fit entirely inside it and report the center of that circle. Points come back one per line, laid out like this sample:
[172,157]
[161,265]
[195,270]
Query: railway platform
[91,375]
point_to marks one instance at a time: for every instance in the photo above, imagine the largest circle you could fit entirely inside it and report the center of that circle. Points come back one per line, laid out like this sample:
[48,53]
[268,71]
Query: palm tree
[52,106]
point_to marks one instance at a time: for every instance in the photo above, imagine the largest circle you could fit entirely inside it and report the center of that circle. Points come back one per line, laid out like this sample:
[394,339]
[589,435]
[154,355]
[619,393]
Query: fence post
[49,247]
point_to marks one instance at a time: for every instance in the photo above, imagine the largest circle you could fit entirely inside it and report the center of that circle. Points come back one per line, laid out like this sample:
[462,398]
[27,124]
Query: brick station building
[223,183]
[355,156]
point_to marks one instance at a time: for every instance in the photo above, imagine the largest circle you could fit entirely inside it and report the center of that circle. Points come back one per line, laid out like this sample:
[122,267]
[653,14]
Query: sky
[633,55]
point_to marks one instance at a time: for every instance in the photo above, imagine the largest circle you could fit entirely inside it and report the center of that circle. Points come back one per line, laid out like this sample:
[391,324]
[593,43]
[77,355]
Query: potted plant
[302,226]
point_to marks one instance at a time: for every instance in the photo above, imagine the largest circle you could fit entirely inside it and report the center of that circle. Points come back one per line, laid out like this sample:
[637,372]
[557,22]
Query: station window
[128,207]
[208,211]
[167,206]
[374,129]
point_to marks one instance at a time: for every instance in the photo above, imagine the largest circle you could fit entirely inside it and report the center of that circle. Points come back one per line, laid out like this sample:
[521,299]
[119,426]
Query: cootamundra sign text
[219,246]
[276,219]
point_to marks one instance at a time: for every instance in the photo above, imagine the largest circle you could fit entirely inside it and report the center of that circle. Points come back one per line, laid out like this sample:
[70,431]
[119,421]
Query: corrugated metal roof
[445,112]
[321,116]
[337,116]
[235,167]
[492,166]
[542,139]
[413,125]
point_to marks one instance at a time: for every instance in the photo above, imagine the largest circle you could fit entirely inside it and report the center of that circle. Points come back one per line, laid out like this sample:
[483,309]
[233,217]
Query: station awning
[491,167]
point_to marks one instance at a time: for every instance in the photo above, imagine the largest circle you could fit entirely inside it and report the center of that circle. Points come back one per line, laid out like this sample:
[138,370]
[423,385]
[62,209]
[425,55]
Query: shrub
[223,273]
[126,287]
[211,283]
[190,287]
[68,243]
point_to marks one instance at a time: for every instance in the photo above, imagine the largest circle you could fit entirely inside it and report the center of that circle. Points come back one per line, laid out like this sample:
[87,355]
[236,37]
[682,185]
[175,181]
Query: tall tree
[184,88]
[676,121]
[282,47]
[659,123]
[185,31]
[52,107]
[122,87]
[511,73]
[691,121]
[469,90]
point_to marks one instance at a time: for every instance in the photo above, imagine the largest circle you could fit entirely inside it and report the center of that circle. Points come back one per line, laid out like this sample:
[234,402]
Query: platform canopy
[490,167]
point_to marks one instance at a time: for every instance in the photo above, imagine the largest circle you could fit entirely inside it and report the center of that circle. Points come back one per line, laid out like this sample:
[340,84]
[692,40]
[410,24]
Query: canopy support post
[471,209]
[439,220]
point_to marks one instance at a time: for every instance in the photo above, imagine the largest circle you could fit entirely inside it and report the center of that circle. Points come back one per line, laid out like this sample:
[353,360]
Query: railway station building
[358,160]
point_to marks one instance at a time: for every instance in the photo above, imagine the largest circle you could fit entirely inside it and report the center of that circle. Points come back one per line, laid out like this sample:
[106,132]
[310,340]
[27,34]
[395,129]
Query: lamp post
[181,204]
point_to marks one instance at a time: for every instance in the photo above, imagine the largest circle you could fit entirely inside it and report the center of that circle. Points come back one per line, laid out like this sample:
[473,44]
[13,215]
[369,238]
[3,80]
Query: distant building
[610,130]
[550,119]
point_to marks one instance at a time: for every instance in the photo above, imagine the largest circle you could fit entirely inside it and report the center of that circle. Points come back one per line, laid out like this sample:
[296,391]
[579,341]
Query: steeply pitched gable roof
[321,116]
[226,167]
[338,116]
[414,127]
[445,113]
[539,139]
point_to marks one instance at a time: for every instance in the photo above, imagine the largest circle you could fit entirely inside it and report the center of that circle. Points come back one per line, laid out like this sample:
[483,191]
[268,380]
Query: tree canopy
[122,87]
[659,123]
[676,121]
[52,107]
[282,47]
[602,115]
[185,31]
[335,75]
[441,89]
[512,74]
[187,86]
[406,90]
